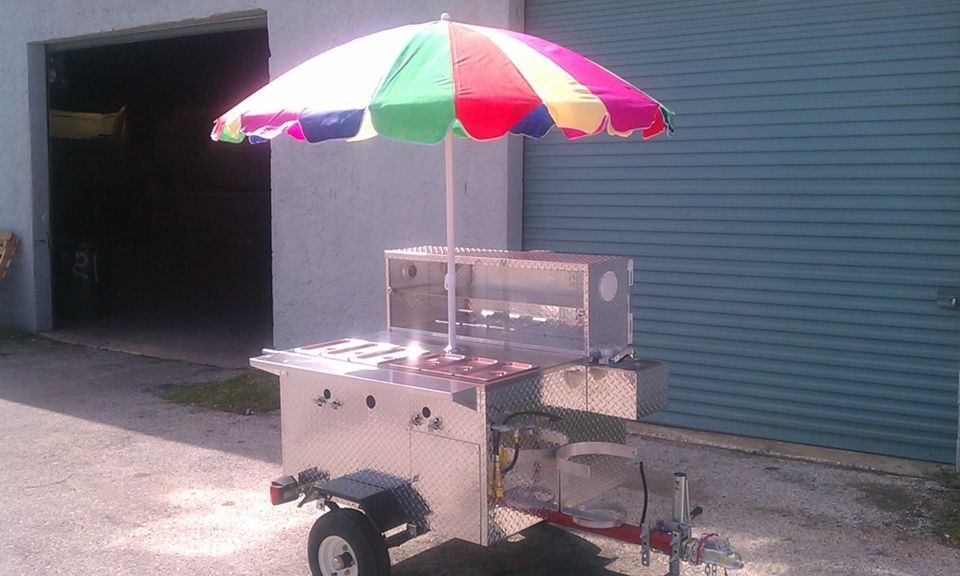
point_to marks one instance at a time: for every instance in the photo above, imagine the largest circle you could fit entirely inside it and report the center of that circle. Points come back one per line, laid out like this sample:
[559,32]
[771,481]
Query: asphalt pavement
[100,476]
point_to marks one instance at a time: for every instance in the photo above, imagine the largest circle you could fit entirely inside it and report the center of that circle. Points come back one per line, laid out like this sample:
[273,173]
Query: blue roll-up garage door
[792,238]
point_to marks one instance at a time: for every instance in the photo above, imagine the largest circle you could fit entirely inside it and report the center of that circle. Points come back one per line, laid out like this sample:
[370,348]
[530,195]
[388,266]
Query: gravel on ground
[100,476]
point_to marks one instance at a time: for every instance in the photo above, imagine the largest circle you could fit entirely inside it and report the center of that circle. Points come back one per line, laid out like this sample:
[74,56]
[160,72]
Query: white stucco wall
[336,206]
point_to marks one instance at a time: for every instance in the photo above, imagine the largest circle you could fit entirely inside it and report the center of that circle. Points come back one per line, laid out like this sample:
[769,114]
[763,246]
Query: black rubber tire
[372,558]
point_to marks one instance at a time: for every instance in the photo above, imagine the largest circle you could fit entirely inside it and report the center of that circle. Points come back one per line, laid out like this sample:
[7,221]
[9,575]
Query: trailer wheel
[344,543]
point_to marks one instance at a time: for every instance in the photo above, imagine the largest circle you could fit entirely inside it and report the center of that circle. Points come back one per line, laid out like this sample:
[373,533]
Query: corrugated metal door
[792,238]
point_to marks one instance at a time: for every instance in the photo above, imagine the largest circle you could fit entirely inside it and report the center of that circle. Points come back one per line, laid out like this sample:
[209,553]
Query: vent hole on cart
[371,402]
[326,393]
[425,412]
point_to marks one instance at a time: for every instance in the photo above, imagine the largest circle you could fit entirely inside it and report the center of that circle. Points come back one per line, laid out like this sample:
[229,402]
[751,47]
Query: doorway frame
[38,55]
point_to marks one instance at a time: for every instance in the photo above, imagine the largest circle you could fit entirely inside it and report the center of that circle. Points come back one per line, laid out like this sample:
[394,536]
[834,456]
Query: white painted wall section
[335,206]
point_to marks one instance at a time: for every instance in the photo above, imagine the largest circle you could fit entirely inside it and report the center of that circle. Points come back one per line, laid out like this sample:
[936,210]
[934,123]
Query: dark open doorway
[161,238]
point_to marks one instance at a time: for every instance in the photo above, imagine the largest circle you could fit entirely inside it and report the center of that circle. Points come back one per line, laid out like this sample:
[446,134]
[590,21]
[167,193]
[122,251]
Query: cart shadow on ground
[541,550]
[124,391]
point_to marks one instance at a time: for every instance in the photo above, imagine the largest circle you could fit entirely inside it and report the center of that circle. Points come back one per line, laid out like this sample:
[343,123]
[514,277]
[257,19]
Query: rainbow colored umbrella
[426,82]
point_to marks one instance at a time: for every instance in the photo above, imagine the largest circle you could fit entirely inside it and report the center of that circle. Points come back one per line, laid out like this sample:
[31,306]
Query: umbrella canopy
[425,82]
[415,83]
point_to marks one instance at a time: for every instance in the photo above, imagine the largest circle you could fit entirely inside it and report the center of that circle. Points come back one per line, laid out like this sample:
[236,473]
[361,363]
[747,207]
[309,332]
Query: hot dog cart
[392,435]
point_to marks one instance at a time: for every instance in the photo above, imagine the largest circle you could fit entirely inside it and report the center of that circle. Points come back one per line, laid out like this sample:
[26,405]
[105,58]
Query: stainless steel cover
[543,333]
[434,430]
[572,302]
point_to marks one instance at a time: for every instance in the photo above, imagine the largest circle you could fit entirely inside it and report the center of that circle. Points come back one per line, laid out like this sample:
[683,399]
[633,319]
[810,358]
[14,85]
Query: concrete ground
[201,335]
[98,475]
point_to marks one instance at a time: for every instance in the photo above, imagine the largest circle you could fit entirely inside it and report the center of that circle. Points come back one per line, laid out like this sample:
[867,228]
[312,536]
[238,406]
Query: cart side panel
[343,435]
[532,486]
[607,301]
[446,473]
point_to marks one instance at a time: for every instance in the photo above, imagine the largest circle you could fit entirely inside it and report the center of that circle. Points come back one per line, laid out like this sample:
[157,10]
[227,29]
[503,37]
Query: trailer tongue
[525,422]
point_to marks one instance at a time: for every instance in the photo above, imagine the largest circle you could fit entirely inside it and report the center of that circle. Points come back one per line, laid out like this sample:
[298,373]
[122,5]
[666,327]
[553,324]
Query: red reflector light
[284,489]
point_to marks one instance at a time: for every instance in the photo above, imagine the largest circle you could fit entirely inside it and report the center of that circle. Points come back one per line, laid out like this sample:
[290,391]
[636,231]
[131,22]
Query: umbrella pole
[451,280]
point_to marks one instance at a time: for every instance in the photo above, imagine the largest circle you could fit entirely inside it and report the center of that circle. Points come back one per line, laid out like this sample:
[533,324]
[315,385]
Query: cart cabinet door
[447,475]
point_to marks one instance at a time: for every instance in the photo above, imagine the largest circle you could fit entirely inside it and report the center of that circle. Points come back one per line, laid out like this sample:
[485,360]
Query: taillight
[284,489]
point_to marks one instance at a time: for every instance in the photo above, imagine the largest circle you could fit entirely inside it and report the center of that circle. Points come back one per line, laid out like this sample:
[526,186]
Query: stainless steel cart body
[524,422]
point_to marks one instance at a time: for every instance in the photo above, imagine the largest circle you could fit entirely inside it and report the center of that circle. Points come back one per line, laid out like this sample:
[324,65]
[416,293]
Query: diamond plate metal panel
[330,437]
[508,516]
[440,417]
[631,389]
[533,483]
[530,487]
[447,476]
[565,388]
[612,391]
[653,386]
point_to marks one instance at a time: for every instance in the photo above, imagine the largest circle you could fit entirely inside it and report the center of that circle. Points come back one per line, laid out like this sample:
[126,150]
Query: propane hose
[516,438]
[643,480]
